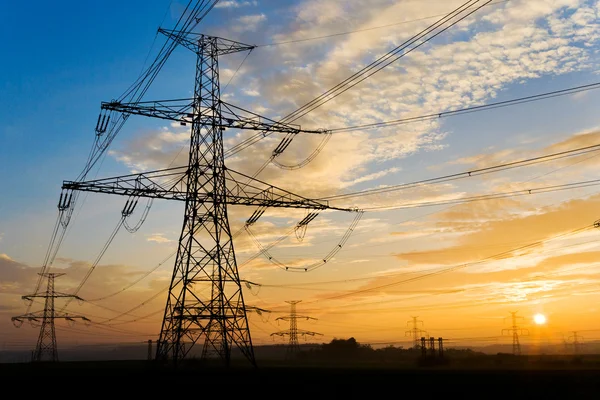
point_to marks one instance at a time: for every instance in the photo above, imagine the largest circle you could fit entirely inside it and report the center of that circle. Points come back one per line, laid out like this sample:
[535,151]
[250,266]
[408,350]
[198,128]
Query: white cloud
[158,238]
[235,4]
[249,22]
[508,48]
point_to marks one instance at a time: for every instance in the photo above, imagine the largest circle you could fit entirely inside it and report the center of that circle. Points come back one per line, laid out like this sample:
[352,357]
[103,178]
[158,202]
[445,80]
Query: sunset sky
[461,267]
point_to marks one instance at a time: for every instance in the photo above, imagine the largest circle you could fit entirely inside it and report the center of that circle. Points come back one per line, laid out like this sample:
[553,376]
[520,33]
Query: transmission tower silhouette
[46,349]
[575,342]
[515,331]
[205,261]
[415,332]
[293,332]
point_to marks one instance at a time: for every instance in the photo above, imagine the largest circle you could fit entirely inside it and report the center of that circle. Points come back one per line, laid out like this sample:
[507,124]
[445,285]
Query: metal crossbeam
[186,111]
[170,184]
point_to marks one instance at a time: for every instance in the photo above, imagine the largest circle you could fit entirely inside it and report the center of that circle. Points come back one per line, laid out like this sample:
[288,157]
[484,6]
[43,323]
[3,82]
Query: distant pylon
[45,349]
[415,332]
[515,331]
[150,350]
[293,332]
[575,340]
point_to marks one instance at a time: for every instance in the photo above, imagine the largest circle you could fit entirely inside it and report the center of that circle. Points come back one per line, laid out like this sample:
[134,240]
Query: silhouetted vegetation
[350,352]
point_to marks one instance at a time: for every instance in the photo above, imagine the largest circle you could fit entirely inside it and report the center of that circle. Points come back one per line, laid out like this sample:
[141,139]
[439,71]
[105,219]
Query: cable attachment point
[597,224]
[129,206]
[65,200]
[255,216]
[300,228]
[285,142]
[102,124]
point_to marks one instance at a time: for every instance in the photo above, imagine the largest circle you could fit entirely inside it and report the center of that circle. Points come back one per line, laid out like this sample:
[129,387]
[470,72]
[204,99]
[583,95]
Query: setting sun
[539,319]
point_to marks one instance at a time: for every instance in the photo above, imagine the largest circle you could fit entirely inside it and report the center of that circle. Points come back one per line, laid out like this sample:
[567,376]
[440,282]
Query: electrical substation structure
[293,332]
[46,349]
[205,254]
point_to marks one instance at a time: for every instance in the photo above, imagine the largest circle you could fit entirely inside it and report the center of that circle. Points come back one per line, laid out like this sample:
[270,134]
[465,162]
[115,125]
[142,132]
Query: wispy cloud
[235,4]
[249,22]
[159,238]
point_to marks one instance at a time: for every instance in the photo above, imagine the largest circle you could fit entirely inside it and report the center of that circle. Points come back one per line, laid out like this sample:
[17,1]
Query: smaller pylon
[293,332]
[415,332]
[150,350]
[45,349]
[575,340]
[515,331]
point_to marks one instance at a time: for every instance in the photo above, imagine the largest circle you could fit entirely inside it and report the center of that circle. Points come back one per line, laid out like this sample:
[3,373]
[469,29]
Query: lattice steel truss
[46,349]
[206,256]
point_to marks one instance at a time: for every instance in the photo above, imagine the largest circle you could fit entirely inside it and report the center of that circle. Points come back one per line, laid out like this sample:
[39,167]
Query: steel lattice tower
[515,331]
[210,258]
[293,332]
[205,259]
[415,332]
[576,342]
[46,349]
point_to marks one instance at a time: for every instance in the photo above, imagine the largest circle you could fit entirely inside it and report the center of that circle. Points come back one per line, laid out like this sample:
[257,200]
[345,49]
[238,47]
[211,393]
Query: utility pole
[575,340]
[515,331]
[205,303]
[415,332]
[293,332]
[46,349]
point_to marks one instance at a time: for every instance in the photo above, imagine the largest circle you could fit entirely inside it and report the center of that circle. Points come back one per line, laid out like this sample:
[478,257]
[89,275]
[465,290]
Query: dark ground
[278,380]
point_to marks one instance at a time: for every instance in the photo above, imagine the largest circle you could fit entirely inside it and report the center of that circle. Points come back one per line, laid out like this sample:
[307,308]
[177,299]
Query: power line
[361,30]
[470,173]
[468,110]
[491,196]
[365,72]
[455,267]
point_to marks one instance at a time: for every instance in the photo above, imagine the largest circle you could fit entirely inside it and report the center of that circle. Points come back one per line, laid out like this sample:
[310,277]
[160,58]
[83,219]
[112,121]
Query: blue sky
[61,60]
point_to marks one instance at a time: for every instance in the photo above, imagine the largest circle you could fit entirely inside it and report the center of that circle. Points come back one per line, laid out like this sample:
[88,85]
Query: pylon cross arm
[170,184]
[196,41]
[186,111]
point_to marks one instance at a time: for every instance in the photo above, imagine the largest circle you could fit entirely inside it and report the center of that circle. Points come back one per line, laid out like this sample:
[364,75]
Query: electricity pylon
[46,350]
[515,331]
[293,332]
[415,332]
[205,261]
[575,340]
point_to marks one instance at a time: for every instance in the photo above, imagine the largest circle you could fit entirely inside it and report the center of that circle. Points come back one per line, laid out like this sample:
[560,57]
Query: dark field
[550,379]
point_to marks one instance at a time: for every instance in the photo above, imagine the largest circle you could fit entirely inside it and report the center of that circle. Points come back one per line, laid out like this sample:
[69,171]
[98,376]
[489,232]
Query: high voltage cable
[314,265]
[492,196]
[136,89]
[364,73]
[301,286]
[468,110]
[136,281]
[137,306]
[265,250]
[384,61]
[456,267]
[361,30]
[470,173]
[96,262]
